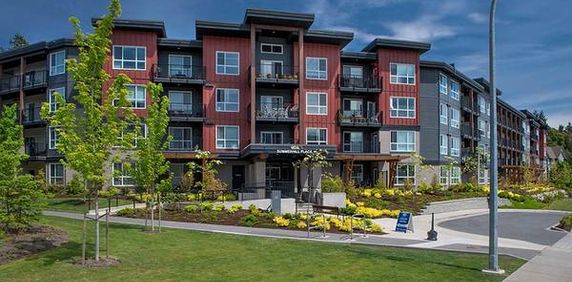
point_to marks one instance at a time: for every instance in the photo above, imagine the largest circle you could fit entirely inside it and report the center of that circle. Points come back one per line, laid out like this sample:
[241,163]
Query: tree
[21,196]
[86,138]
[207,168]
[476,162]
[312,159]
[18,41]
[150,164]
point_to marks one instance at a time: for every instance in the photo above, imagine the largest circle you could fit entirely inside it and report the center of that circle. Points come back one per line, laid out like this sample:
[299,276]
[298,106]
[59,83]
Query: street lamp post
[493,198]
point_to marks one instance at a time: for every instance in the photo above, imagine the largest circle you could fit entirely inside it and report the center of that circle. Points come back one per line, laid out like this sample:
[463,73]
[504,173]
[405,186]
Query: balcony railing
[10,83]
[357,119]
[35,78]
[359,83]
[35,148]
[186,112]
[277,72]
[278,112]
[31,114]
[179,73]
[361,147]
[181,145]
[470,106]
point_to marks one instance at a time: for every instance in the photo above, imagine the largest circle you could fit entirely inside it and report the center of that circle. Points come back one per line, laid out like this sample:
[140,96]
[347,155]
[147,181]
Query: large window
[455,90]
[181,101]
[483,125]
[443,112]
[180,65]
[443,144]
[402,141]
[182,138]
[271,137]
[455,175]
[443,84]
[52,97]
[444,176]
[269,48]
[142,134]
[129,57]
[53,137]
[56,176]
[455,146]
[353,107]
[402,107]
[227,137]
[137,96]
[271,68]
[227,63]
[316,103]
[57,63]
[316,68]
[316,136]
[402,73]
[455,118]
[121,176]
[405,173]
[353,142]
[227,100]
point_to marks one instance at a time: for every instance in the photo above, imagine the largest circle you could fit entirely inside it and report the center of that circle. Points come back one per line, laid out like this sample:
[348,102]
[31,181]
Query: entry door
[237,177]
[371,109]
[375,142]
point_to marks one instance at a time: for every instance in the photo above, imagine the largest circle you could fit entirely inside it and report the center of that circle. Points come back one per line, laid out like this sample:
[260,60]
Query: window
[316,68]
[357,173]
[455,175]
[227,63]
[353,107]
[402,73]
[353,142]
[269,103]
[121,175]
[316,136]
[53,137]
[57,63]
[180,101]
[142,134]
[137,96]
[443,111]
[444,176]
[403,141]
[227,137]
[271,137]
[455,90]
[316,103]
[56,176]
[180,65]
[482,128]
[227,100]
[455,118]
[455,146]
[182,138]
[483,176]
[350,71]
[443,144]
[443,84]
[271,69]
[52,97]
[402,107]
[405,173]
[129,57]
[268,48]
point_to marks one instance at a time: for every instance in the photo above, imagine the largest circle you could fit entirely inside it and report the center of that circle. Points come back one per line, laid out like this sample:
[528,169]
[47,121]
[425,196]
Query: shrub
[206,206]
[75,187]
[301,225]
[226,197]
[331,184]
[280,221]
[219,208]
[192,208]
[289,216]
[127,212]
[254,210]
[234,209]
[249,220]
[566,222]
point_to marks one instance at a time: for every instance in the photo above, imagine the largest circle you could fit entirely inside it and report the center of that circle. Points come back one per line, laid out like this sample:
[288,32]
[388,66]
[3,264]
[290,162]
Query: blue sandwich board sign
[404,222]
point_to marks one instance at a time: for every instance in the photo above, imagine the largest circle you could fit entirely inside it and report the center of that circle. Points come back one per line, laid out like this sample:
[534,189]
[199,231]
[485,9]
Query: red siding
[385,57]
[212,44]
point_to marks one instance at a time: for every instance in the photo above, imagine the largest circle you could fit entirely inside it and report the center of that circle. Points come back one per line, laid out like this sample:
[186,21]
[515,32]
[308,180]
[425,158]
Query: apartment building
[534,141]
[260,93]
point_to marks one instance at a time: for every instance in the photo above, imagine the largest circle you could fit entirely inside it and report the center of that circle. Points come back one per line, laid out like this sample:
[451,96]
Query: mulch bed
[103,262]
[35,240]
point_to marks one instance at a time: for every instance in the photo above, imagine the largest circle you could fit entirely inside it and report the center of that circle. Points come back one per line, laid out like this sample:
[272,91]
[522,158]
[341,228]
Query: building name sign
[294,150]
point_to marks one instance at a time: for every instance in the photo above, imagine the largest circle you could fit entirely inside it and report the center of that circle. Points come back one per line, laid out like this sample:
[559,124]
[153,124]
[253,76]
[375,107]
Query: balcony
[181,146]
[35,150]
[186,112]
[534,136]
[10,84]
[361,148]
[31,115]
[470,107]
[181,74]
[275,74]
[354,119]
[32,80]
[278,113]
[359,84]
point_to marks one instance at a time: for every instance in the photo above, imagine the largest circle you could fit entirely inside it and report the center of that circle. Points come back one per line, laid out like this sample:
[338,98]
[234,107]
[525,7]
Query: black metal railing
[181,145]
[31,113]
[177,71]
[471,105]
[355,81]
[275,141]
[35,148]
[35,78]
[361,147]
[359,119]
[185,109]
[11,82]
[276,71]
[277,111]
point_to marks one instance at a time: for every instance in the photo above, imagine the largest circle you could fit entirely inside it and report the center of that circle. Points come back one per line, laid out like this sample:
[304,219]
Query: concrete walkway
[460,205]
[552,264]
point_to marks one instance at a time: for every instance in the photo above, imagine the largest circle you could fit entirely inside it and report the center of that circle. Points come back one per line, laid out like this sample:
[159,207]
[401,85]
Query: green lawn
[178,255]
[561,204]
[78,205]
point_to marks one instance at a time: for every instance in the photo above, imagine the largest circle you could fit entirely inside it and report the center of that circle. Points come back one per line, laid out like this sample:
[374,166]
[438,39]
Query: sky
[534,38]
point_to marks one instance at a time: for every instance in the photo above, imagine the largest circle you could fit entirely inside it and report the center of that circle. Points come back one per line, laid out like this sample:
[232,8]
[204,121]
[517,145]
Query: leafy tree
[86,138]
[21,197]
[18,41]
[207,168]
[561,176]
[312,159]
[477,161]
[150,164]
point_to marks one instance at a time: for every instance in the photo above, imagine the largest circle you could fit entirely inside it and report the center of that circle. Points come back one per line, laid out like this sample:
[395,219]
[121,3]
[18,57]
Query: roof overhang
[179,43]
[140,25]
[358,56]
[220,29]
[452,71]
[35,49]
[422,47]
[341,38]
[279,18]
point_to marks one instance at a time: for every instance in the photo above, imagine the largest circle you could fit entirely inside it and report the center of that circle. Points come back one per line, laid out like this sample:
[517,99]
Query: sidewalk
[552,264]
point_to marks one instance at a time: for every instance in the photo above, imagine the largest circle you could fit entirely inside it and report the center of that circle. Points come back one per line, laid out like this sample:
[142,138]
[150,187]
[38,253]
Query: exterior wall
[429,98]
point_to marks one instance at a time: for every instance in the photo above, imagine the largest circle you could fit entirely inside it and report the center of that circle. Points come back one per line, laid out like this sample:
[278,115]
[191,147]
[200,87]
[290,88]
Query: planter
[337,199]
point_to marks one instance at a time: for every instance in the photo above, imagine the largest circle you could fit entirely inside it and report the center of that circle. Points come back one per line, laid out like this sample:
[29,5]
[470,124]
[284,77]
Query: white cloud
[477,18]
[426,28]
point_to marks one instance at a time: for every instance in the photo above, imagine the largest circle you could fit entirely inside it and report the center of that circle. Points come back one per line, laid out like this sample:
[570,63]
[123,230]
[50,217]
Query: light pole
[493,204]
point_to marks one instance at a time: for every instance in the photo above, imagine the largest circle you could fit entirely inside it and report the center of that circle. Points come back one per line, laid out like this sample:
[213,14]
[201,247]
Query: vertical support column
[22,71]
[301,76]
[252,84]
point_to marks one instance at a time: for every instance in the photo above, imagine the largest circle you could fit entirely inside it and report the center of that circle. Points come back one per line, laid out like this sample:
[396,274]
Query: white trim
[271,45]
[325,142]
[391,109]
[414,177]
[53,103]
[225,91]
[225,65]
[350,144]
[225,140]
[50,180]
[456,152]
[55,67]
[446,85]
[135,95]
[272,132]
[446,116]
[407,77]
[455,123]
[122,59]
[190,93]
[318,106]
[182,66]
[121,177]
[406,144]
[456,97]
[318,71]
[444,145]
[54,146]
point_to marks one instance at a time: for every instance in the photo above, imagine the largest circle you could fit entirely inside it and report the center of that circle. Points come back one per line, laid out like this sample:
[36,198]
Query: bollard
[432,234]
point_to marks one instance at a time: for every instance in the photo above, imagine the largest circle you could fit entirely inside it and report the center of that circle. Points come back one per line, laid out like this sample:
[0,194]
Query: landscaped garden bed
[32,241]
[566,223]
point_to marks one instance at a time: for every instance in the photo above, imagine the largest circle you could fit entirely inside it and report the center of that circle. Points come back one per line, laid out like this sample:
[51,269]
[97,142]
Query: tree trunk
[107,228]
[146,213]
[83,238]
[160,206]
[152,215]
[96,226]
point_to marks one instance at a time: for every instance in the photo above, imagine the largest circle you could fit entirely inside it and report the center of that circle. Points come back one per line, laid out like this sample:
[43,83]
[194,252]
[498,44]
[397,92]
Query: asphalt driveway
[526,226]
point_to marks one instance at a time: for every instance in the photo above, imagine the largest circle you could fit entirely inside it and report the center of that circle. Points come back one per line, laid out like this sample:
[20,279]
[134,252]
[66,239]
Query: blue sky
[534,37]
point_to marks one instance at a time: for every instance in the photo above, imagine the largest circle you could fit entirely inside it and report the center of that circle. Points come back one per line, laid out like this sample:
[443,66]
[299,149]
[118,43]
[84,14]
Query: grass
[564,204]
[179,255]
[561,204]
[76,204]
